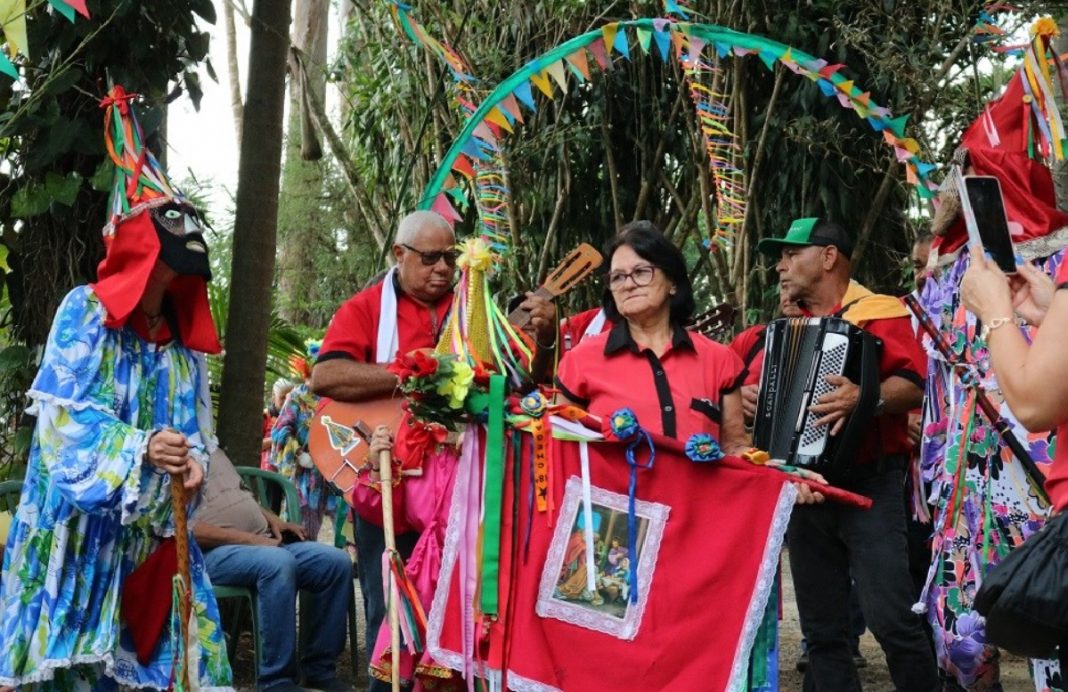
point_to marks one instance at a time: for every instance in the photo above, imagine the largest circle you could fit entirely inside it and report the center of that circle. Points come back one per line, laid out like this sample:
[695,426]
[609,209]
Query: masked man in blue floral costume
[123,411]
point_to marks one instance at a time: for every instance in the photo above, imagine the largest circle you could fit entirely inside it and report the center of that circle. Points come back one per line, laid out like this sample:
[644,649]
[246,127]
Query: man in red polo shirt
[829,543]
[403,312]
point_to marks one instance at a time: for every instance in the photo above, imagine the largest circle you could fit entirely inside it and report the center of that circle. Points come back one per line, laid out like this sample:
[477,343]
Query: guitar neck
[519,317]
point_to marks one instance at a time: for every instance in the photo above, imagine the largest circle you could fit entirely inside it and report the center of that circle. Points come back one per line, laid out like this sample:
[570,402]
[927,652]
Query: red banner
[707,536]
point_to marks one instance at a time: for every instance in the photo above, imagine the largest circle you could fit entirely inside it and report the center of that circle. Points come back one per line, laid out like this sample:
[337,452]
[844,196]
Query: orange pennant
[579,62]
[511,105]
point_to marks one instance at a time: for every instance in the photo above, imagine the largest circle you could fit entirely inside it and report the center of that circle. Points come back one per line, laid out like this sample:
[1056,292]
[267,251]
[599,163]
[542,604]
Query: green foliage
[56,171]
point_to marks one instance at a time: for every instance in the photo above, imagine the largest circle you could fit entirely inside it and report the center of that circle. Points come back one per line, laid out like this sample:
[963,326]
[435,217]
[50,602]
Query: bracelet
[543,347]
[996,323]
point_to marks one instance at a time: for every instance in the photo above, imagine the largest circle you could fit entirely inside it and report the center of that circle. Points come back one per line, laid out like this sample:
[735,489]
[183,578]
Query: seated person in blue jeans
[246,545]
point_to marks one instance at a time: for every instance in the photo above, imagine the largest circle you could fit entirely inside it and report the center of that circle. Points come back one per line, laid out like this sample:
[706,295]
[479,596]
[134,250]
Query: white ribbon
[388,342]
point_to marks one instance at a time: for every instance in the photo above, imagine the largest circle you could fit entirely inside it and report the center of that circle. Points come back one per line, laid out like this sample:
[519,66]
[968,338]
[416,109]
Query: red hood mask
[997,144]
[150,221]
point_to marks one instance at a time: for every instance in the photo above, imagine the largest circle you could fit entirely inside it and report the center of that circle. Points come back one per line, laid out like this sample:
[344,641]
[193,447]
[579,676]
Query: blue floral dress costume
[92,509]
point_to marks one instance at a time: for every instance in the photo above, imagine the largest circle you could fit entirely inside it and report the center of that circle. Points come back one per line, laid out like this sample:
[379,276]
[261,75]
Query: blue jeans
[277,574]
[828,544]
[370,544]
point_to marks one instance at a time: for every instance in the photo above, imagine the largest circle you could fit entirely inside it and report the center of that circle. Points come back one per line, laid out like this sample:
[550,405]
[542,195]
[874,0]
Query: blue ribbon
[625,427]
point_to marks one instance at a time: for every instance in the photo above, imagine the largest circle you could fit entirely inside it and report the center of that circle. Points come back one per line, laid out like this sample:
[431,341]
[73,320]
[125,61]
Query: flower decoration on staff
[436,386]
[702,448]
[624,425]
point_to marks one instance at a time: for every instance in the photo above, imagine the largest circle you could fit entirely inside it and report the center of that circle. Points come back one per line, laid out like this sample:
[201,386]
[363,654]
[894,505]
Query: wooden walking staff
[185,590]
[385,475]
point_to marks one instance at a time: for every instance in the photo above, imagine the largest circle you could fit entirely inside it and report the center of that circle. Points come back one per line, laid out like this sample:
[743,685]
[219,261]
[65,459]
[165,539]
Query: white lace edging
[1036,248]
[548,606]
[47,673]
[769,566]
[39,397]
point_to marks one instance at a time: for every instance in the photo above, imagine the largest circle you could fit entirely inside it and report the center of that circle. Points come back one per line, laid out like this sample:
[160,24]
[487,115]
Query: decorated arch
[694,45]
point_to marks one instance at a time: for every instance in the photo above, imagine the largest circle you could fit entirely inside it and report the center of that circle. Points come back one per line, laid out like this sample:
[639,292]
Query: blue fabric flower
[534,404]
[624,424]
[703,448]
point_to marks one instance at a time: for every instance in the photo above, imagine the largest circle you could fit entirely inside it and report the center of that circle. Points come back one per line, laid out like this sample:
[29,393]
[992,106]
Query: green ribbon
[491,524]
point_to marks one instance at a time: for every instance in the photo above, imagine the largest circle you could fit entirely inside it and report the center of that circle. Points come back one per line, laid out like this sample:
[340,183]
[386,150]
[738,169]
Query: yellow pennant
[13,18]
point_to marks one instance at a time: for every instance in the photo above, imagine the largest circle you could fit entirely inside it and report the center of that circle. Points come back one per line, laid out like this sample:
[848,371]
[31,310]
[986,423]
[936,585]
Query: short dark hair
[650,244]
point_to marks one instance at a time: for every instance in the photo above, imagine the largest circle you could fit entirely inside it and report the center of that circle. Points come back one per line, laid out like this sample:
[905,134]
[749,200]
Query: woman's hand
[1032,293]
[985,288]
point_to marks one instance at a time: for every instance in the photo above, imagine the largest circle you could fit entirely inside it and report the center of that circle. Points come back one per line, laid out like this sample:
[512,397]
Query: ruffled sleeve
[94,459]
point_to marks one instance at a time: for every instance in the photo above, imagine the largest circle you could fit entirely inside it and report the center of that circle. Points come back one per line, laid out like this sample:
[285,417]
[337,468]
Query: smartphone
[984,214]
[290,537]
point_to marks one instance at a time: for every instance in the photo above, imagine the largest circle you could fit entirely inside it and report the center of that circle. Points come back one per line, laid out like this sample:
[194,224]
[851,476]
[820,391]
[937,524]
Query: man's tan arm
[348,380]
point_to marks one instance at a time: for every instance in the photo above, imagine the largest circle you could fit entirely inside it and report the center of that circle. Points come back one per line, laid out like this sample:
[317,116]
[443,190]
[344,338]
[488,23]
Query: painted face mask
[182,246]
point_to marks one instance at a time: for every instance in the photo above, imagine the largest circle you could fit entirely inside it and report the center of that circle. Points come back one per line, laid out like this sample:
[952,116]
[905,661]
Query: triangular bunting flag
[828,70]
[597,50]
[7,67]
[826,87]
[902,155]
[621,44]
[498,118]
[672,7]
[608,34]
[483,131]
[925,169]
[768,59]
[542,82]
[910,173]
[13,19]
[845,87]
[522,92]
[556,71]
[898,125]
[79,5]
[645,38]
[472,149]
[445,210]
[63,8]
[877,123]
[450,182]
[890,138]
[578,61]
[462,165]
[722,49]
[511,106]
[696,46]
[843,100]
[663,42]
[910,144]
[864,98]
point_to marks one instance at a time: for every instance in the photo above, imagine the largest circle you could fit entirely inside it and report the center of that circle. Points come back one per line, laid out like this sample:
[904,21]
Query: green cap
[809,231]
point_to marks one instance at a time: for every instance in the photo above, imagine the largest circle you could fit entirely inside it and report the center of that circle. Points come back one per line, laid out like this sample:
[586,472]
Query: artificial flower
[457,384]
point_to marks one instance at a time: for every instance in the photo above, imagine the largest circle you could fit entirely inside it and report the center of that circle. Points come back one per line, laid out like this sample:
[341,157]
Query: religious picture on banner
[600,602]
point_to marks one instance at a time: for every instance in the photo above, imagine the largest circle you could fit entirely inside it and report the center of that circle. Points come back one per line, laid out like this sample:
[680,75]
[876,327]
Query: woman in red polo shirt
[677,382]
[1033,378]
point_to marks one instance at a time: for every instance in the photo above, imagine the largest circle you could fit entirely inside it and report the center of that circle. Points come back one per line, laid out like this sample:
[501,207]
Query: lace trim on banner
[583,613]
[769,566]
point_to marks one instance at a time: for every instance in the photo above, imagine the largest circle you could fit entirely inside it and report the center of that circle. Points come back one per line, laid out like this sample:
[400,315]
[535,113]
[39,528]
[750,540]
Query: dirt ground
[874,677]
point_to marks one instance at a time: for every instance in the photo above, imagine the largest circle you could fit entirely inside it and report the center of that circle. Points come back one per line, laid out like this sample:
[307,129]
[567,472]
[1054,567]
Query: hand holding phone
[984,216]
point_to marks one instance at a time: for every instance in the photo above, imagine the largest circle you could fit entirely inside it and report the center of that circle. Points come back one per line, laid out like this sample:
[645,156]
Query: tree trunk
[255,226]
[233,69]
[300,216]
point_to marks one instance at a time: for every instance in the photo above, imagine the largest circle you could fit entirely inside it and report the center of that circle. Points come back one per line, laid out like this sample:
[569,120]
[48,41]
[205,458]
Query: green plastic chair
[260,483]
[10,494]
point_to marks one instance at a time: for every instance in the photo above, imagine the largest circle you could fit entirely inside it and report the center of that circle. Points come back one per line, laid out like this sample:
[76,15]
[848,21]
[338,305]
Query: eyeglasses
[641,276]
[429,259]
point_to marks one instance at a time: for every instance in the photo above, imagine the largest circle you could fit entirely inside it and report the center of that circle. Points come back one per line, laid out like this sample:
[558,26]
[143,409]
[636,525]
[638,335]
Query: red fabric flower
[415,364]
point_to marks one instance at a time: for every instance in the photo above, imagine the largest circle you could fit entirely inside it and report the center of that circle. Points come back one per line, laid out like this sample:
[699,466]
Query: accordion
[799,353]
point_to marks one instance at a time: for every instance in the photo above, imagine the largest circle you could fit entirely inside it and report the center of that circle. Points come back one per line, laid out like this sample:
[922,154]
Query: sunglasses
[429,259]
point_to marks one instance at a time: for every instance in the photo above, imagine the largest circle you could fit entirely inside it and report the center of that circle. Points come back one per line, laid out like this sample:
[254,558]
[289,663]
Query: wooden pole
[385,473]
[181,544]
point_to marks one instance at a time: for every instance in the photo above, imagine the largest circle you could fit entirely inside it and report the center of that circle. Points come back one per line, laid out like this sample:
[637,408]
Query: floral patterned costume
[92,509]
[289,438]
[983,506]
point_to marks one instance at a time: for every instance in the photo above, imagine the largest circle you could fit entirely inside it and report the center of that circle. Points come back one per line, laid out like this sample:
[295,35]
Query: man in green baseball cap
[830,544]
[809,231]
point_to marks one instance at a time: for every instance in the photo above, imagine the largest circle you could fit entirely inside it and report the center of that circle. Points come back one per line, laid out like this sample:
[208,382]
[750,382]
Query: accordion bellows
[799,354]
